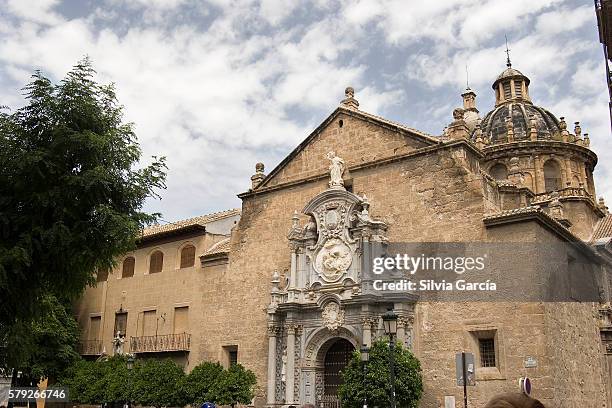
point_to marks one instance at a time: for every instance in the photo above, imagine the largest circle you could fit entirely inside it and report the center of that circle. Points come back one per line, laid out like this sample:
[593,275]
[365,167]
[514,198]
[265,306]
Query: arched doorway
[336,358]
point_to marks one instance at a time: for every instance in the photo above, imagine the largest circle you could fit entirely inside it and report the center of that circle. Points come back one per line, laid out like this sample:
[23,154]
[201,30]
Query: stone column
[273,332]
[290,372]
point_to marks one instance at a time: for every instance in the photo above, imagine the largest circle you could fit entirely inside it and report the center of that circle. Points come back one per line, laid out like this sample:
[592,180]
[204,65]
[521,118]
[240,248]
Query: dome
[523,115]
[510,73]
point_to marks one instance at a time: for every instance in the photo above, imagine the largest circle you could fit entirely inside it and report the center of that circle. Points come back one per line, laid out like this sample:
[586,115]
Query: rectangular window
[231,355]
[181,320]
[102,275]
[120,323]
[487,352]
[149,323]
[94,327]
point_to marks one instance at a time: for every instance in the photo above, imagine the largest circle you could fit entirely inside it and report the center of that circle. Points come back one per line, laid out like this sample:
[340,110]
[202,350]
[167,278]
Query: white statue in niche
[118,341]
[336,169]
[284,366]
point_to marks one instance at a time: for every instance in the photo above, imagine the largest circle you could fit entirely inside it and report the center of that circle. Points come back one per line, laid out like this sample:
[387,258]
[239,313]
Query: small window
[487,352]
[156,262]
[552,176]
[231,354]
[181,320]
[102,275]
[499,172]
[120,324]
[187,256]
[94,327]
[128,267]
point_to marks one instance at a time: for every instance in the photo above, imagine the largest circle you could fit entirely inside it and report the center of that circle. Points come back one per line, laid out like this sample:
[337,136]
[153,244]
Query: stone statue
[118,341]
[284,366]
[336,169]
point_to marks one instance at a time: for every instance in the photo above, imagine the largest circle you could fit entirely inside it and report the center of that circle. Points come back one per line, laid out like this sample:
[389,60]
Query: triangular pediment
[356,136]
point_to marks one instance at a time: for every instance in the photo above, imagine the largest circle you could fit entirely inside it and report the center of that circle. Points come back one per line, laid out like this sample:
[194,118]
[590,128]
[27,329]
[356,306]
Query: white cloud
[253,83]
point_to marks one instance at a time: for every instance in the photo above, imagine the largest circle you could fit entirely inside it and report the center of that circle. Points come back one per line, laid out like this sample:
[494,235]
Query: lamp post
[390,325]
[365,357]
[130,365]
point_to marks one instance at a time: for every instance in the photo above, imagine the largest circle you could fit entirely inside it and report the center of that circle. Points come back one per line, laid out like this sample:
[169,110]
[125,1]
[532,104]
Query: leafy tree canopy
[234,386]
[199,384]
[71,190]
[376,383]
[157,383]
[44,346]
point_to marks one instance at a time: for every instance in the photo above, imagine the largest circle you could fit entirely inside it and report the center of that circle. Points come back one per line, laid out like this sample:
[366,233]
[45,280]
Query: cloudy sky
[219,85]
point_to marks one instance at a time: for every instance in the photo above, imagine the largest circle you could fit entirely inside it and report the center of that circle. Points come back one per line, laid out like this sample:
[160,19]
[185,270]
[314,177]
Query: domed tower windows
[518,88]
[507,91]
[499,171]
[552,176]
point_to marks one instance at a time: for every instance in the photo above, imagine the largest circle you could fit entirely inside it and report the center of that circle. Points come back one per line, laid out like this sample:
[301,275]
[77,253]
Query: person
[514,400]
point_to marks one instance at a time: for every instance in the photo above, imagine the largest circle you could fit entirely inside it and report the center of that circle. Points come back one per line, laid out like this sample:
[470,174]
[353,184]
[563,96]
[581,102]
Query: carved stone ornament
[334,259]
[333,316]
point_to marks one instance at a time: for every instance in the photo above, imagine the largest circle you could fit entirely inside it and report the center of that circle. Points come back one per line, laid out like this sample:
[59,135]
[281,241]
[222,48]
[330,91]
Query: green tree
[234,386]
[71,190]
[376,383]
[157,383]
[41,347]
[200,383]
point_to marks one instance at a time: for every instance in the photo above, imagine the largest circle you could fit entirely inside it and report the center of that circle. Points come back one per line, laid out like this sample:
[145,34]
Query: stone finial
[586,142]
[349,101]
[458,114]
[458,129]
[564,131]
[295,220]
[259,175]
[577,129]
[515,175]
[602,204]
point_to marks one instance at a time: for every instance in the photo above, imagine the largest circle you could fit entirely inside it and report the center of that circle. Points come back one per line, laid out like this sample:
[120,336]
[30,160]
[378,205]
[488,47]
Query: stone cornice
[537,214]
[539,146]
[376,163]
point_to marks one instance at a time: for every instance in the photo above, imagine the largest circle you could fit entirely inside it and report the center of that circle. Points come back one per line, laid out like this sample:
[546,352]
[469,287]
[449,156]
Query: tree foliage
[42,347]
[199,385]
[234,386]
[70,190]
[376,382]
[157,383]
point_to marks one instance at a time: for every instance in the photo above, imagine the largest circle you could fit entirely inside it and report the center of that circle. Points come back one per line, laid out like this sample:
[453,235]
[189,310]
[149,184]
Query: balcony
[90,347]
[156,344]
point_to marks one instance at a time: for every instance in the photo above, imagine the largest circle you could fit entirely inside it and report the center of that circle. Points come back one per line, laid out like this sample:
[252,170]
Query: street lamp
[390,326]
[130,365]
[365,357]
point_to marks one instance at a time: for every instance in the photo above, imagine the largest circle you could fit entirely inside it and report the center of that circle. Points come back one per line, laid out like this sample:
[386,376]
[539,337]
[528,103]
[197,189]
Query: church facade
[289,291]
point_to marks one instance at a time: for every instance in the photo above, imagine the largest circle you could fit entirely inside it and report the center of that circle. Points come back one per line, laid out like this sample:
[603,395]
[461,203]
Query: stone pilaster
[273,333]
[290,373]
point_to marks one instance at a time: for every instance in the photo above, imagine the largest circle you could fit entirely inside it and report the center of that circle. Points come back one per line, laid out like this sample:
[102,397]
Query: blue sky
[217,85]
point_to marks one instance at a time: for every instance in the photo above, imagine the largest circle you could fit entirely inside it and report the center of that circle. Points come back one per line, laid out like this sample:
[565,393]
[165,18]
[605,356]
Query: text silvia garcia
[433,286]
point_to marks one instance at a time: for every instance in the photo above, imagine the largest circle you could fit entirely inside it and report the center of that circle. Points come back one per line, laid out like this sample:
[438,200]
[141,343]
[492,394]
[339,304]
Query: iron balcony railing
[90,347]
[167,342]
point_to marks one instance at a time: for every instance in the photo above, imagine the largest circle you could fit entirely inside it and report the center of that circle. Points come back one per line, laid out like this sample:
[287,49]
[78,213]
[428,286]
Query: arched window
[156,262]
[128,267]
[187,256]
[552,176]
[499,172]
